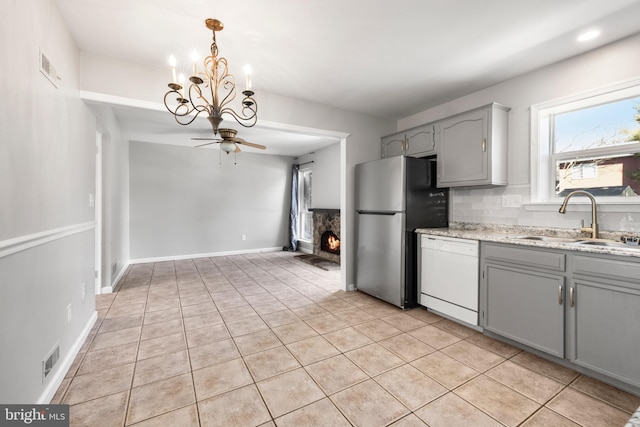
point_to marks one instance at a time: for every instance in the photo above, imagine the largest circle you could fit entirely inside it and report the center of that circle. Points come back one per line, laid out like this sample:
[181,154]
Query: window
[590,143]
[305,219]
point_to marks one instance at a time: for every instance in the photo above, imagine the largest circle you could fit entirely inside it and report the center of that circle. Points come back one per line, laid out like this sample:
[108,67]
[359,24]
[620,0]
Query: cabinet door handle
[484,144]
[571,297]
[406,143]
[560,294]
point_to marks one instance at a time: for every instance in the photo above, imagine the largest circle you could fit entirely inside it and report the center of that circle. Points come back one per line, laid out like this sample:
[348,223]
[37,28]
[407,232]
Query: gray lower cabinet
[604,316]
[523,291]
[581,307]
[524,306]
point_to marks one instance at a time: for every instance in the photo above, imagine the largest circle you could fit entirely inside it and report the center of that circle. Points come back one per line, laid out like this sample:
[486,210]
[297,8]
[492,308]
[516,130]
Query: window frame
[543,159]
[301,172]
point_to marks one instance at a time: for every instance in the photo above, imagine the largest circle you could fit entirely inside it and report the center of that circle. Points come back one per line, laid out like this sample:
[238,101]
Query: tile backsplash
[485,205]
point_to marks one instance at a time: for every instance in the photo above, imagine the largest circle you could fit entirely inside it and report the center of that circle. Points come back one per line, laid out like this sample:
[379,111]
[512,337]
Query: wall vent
[114,268]
[48,70]
[50,362]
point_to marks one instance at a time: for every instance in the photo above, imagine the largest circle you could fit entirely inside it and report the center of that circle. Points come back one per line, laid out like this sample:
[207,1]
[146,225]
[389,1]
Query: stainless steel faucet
[594,211]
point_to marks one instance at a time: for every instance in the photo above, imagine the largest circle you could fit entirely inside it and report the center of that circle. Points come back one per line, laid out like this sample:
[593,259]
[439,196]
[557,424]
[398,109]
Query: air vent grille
[48,70]
[50,362]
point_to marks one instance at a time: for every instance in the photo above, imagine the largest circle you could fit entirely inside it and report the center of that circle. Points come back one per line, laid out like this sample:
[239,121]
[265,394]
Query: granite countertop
[634,421]
[513,234]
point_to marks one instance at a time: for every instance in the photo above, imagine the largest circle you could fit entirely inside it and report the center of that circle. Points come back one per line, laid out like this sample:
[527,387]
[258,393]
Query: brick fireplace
[326,233]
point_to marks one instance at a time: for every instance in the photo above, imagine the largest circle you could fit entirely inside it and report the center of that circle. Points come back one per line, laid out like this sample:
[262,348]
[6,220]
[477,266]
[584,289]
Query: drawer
[607,268]
[513,254]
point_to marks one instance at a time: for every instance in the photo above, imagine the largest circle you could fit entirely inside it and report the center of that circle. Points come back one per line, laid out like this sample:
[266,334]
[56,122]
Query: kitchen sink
[610,243]
[548,239]
[582,241]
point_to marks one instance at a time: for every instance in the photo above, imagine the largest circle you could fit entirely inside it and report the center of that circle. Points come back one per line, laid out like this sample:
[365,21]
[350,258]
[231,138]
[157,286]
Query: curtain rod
[302,164]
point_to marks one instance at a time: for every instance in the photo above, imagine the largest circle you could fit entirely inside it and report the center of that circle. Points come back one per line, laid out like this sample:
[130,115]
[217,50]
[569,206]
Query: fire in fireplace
[329,242]
[326,229]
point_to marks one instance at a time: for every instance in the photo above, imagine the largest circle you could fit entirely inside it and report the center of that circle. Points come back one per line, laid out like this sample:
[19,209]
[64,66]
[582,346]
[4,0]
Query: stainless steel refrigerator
[394,196]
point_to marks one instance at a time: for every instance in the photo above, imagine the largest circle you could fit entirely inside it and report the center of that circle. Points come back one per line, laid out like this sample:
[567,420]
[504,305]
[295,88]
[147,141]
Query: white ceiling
[382,58]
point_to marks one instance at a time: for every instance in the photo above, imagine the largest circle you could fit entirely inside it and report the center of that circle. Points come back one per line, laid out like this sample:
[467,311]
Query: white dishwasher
[449,276]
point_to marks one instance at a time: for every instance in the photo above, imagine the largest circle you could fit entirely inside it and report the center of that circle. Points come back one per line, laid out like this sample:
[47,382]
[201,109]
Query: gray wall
[47,171]
[183,202]
[595,69]
[115,196]
[325,182]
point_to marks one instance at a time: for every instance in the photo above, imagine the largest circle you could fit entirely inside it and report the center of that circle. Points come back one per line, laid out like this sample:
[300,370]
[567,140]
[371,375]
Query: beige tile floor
[264,339]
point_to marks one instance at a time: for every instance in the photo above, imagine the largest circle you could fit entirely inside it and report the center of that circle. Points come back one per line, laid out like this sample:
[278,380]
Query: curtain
[293,215]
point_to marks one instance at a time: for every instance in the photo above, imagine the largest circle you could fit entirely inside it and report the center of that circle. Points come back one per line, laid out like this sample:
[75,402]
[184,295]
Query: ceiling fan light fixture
[228,146]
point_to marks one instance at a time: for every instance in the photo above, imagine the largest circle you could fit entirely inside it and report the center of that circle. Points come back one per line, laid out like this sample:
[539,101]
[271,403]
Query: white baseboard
[207,255]
[114,281]
[63,368]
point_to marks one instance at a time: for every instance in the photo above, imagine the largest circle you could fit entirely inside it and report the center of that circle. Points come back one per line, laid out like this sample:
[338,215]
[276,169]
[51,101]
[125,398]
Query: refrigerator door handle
[376,212]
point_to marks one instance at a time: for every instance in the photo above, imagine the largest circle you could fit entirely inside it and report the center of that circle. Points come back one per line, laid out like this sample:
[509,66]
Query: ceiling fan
[228,141]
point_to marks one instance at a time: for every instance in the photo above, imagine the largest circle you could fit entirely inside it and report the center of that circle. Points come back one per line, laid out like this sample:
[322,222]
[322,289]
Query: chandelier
[210,91]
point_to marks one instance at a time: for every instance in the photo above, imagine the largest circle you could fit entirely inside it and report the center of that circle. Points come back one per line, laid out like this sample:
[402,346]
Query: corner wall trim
[207,255]
[22,243]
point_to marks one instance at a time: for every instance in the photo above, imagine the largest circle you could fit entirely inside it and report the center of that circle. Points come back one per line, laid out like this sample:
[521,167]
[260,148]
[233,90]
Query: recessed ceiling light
[588,35]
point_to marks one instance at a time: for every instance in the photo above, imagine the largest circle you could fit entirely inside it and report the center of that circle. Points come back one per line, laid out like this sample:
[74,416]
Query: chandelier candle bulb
[194,58]
[247,80]
[172,63]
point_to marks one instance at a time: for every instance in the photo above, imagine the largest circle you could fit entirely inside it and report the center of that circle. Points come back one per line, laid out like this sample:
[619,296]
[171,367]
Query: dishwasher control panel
[450,244]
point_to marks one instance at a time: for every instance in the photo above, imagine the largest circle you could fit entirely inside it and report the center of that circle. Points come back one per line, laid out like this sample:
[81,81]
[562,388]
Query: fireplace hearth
[326,233]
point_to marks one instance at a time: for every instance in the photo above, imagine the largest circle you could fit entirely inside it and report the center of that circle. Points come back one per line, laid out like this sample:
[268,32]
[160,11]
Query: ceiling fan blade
[249,144]
[206,139]
[208,143]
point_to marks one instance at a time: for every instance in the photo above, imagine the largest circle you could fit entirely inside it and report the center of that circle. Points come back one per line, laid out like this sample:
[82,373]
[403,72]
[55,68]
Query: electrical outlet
[69,313]
[244,237]
[84,291]
[511,201]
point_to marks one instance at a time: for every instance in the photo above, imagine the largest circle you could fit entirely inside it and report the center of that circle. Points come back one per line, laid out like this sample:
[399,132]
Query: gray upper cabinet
[416,142]
[393,145]
[421,141]
[472,147]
